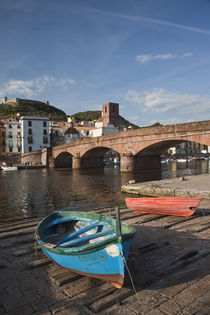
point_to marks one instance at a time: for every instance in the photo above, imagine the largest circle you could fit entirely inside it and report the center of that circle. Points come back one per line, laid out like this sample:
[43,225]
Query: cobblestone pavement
[169,265]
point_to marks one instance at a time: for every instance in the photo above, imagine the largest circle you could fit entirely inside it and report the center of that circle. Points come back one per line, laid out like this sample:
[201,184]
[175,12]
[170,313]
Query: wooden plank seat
[86,238]
[79,232]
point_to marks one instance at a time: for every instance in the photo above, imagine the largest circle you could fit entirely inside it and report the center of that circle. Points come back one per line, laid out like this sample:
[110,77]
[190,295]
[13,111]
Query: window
[44,131]
[10,149]
[18,135]
[10,134]
[18,126]
[105,109]
[30,131]
[10,126]
[29,149]
[19,149]
[29,123]
[45,139]
[44,124]
[30,139]
[3,134]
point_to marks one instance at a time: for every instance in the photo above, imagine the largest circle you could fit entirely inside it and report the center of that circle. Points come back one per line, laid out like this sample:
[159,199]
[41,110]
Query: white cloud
[31,88]
[160,100]
[187,55]
[149,57]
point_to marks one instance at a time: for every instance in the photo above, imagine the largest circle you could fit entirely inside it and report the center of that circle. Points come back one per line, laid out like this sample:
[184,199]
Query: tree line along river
[39,192]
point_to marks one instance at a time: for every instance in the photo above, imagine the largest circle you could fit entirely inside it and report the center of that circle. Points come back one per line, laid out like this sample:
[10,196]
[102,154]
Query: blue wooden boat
[87,243]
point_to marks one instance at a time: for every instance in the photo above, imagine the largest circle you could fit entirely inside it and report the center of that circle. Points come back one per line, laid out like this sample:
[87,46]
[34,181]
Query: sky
[150,56]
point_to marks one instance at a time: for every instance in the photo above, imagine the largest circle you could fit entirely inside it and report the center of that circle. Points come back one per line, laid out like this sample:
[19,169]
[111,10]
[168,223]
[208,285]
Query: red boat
[178,206]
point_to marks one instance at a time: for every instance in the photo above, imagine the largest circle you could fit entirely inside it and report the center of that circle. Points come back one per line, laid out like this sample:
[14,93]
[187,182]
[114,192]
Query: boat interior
[68,232]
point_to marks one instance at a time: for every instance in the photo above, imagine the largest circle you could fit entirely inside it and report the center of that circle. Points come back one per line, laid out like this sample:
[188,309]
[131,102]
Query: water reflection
[38,192]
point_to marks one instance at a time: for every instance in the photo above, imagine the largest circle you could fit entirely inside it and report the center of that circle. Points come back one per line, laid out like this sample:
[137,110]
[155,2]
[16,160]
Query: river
[38,192]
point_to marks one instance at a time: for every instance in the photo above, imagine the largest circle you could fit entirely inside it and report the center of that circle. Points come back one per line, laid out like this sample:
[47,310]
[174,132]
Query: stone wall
[32,158]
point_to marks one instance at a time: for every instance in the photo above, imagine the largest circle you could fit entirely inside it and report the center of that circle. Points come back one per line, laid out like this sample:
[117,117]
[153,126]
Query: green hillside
[96,114]
[29,107]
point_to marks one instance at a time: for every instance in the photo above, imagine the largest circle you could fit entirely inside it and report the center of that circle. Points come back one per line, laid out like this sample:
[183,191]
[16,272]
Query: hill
[30,107]
[96,114]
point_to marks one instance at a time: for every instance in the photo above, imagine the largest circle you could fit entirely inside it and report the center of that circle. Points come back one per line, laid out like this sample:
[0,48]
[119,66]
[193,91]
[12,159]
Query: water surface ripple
[39,192]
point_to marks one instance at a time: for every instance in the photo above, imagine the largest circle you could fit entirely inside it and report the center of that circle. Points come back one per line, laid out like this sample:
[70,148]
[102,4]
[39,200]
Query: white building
[102,131]
[13,135]
[35,133]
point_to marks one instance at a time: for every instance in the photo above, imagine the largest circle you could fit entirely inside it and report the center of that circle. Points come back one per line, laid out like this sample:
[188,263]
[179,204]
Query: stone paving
[187,186]
[169,265]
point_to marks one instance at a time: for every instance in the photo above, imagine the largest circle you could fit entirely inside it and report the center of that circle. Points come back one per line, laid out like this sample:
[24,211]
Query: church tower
[110,114]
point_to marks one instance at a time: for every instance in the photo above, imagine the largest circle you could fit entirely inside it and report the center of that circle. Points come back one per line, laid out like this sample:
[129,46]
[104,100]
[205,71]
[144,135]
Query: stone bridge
[139,149]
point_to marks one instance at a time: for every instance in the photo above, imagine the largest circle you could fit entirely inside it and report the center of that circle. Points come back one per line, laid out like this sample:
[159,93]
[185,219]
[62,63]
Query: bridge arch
[63,160]
[95,157]
[159,147]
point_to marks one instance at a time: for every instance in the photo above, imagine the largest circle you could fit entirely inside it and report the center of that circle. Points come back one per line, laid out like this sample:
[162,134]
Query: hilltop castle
[17,101]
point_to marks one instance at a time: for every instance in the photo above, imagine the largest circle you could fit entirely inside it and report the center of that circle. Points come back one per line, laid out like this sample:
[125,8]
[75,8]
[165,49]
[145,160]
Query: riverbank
[168,262]
[187,186]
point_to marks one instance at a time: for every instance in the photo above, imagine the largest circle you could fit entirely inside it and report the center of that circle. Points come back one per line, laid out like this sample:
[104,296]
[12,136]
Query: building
[35,133]
[71,134]
[103,131]
[13,135]
[189,148]
[2,139]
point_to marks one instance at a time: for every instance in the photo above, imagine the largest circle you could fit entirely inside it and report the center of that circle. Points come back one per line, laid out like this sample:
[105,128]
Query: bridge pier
[127,162]
[76,162]
[51,162]
[131,163]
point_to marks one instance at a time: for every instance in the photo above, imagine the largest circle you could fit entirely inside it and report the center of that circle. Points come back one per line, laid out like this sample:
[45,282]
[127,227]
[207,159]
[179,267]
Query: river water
[38,192]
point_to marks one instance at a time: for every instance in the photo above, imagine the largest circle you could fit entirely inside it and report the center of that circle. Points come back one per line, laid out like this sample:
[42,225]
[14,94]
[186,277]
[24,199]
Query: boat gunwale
[90,247]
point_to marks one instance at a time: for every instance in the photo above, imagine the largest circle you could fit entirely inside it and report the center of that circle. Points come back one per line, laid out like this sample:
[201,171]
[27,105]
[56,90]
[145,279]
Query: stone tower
[110,114]
[4,99]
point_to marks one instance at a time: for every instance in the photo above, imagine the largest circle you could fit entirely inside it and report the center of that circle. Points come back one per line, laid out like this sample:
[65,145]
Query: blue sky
[150,56]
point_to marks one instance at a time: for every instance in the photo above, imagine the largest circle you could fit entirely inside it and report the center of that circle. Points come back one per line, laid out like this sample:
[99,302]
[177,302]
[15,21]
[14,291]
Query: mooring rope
[130,276]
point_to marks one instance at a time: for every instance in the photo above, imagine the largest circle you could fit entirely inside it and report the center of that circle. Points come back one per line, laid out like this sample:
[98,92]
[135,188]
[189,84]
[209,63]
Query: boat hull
[9,168]
[178,206]
[100,255]
[106,264]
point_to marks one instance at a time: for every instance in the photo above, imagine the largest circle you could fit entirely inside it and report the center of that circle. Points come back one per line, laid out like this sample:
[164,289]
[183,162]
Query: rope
[130,276]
